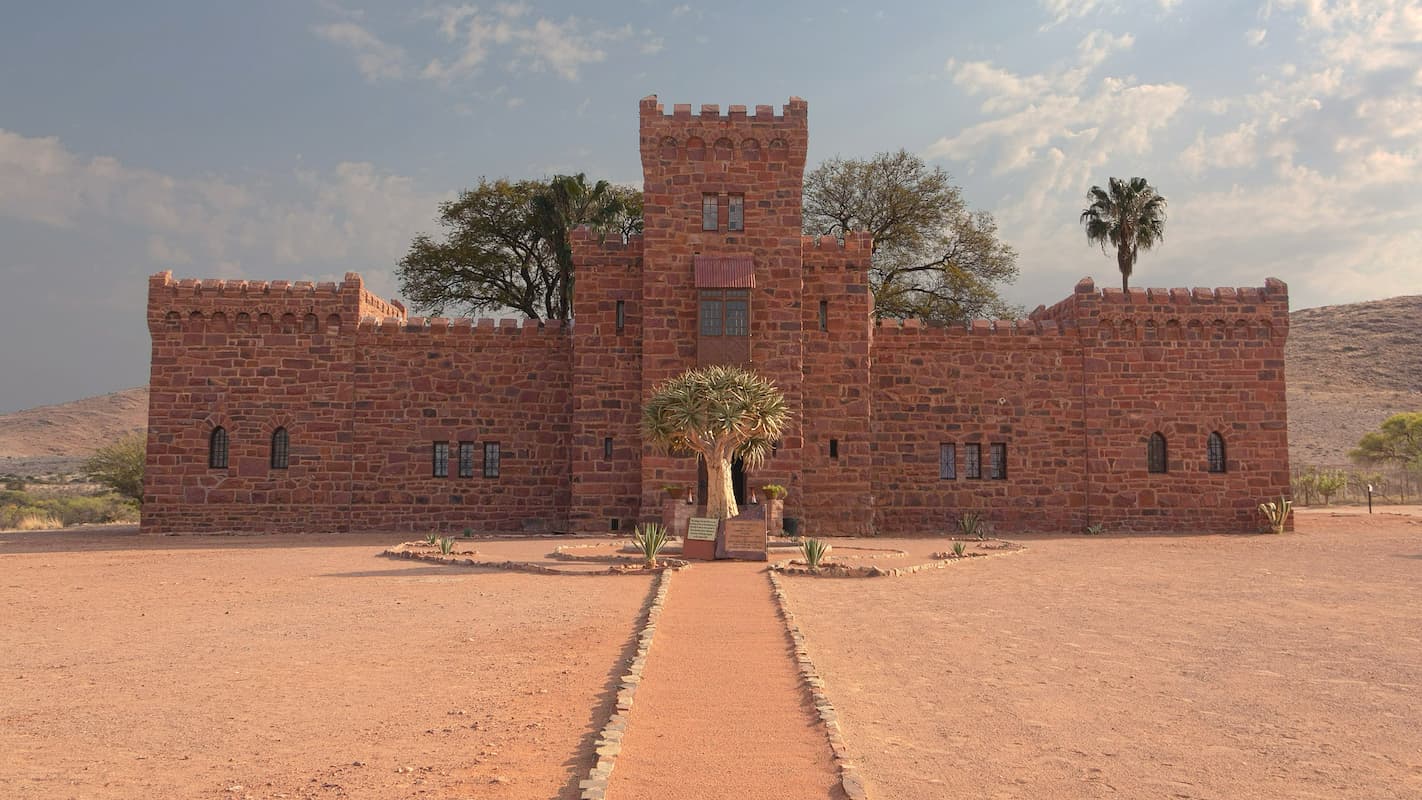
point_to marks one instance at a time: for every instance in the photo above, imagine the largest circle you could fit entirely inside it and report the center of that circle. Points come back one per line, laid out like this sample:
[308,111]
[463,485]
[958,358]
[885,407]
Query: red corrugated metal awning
[724,272]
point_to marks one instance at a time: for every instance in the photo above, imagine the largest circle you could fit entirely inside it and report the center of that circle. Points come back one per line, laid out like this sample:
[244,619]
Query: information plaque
[701,529]
[745,538]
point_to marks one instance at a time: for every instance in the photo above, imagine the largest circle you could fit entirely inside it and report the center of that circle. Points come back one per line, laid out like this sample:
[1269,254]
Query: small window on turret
[710,212]
[736,220]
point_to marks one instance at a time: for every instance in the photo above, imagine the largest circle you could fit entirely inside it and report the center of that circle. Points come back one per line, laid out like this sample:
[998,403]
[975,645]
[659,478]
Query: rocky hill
[1349,368]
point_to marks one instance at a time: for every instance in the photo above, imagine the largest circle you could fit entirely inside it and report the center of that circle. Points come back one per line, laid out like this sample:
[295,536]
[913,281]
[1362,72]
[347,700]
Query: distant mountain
[1349,367]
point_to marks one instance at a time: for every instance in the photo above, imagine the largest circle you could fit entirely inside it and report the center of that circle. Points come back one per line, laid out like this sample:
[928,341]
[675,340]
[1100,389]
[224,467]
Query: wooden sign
[745,538]
[701,529]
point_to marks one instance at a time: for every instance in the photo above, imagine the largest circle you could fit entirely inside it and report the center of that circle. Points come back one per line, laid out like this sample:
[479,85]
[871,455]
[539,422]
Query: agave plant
[815,550]
[1277,513]
[959,548]
[446,545]
[431,537]
[972,525]
[650,538]
[1095,530]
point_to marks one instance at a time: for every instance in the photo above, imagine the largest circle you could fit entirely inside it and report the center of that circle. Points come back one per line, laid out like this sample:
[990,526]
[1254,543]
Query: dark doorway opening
[701,481]
[738,480]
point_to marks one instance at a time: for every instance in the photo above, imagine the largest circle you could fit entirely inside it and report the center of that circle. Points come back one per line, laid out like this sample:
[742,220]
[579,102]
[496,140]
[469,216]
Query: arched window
[217,449]
[1155,453]
[1215,450]
[281,448]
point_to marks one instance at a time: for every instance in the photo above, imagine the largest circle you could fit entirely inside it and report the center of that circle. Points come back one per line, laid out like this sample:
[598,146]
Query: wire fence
[1327,484]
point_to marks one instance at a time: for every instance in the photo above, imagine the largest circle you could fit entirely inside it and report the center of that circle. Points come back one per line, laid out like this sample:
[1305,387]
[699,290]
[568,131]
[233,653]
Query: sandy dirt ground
[297,667]
[721,712]
[1214,667]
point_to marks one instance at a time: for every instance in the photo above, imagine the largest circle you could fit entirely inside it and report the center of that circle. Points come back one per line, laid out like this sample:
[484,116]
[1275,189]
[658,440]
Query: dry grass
[38,522]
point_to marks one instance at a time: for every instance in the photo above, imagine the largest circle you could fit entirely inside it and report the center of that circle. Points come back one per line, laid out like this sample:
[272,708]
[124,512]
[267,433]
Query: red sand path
[720,712]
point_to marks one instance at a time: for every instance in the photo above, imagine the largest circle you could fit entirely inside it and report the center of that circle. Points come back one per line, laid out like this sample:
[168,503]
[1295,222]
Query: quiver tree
[720,413]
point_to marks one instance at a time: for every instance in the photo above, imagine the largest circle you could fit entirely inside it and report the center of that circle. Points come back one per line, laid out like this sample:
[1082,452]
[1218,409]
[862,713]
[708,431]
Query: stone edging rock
[609,740]
[849,777]
[840,570]
[399,551]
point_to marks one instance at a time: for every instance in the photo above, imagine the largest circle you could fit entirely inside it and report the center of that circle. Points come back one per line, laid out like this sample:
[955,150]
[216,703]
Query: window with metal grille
[1155,453]
[491,459]
[973,460]
[947,462]
[466,459]
[710,212]
[281,449]
[1215,449]
[441,459]
[725,312]
[736,213]
[217,449]
[997,461]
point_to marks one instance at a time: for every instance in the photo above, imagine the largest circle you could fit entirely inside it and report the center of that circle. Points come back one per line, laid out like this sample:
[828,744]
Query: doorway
[738,481]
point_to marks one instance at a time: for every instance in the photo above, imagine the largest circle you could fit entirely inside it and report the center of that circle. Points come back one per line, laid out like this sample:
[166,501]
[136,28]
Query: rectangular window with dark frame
[607,447]
[736,213]
[834,448]
[441,459]
[725,312]
[491,459]
[710,212]
[621,315]
[466,459]
[824,315]
[947,462]
[997,461]
[973,460]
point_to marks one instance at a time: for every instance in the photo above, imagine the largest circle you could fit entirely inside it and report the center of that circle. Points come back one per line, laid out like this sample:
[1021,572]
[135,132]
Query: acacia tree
[1129,216]
[719,413]
[119,465]
[1397,441]
[506,245]
[933,258]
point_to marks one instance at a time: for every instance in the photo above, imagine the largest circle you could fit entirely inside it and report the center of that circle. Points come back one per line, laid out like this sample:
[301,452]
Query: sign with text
[701,529]
[745,537]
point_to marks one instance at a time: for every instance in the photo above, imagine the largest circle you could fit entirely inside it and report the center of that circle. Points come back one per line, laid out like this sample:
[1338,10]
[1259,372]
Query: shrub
[959,548]
[814,551]
[972,525]
[38,522]
[1329,483]
[431,537]
[1276,513]
[446,545]
[1095,530]
[468,533]
[774,491]
[119,465]
[650,538]
[66,510]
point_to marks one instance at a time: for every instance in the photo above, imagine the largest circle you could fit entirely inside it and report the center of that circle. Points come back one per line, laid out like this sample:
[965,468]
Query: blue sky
[299,140]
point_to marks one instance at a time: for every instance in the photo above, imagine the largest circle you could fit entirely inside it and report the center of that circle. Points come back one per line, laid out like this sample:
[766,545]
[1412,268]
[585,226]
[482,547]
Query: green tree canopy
[934,258]
[506,245]
[1129,216]
[720,413]
[1397,441]
[119,465]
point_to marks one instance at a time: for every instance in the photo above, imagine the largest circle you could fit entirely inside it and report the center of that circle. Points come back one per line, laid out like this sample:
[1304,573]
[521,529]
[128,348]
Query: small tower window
[710,212]
[217,449]
[736,213]
[1155,453]
[281,449]
[441,460]
[1215,450]
[607,447]
[466,459]
[834,448]
[947,462]
[621,315]
[997,461]
[491,459]
[973,460]
[824,315]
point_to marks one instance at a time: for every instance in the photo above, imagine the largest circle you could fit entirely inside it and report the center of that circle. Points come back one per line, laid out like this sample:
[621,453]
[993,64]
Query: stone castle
[297,407]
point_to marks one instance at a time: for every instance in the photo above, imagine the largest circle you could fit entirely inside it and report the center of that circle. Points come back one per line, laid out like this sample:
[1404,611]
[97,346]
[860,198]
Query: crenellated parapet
[911,333]
[822,252]
[736,135]
[258,307]
[1152,314]
[462,333]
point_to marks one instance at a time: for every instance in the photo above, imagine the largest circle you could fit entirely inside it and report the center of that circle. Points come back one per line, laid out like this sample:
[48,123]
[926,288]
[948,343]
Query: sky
[300,139]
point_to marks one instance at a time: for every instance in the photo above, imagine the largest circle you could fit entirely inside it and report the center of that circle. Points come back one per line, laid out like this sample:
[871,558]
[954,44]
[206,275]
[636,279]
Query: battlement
[715,137]
[585,238]
[1270,301]
[795,109]
[461,333]
[241,306]
[907,330]
[855,243]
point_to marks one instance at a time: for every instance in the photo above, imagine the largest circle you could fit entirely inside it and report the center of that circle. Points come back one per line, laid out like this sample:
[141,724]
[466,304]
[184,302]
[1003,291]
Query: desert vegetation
[27,505]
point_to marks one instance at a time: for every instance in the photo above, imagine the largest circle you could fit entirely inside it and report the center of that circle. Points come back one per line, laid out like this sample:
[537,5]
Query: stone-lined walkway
[721,711]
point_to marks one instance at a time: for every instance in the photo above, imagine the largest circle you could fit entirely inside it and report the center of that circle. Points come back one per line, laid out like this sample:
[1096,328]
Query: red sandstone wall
[1014,382]
[762,156]
[606,385]
[837,492]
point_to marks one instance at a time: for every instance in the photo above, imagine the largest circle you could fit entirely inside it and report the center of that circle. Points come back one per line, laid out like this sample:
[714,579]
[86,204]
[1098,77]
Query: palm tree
[569,202]
[720,413]
[1130,217]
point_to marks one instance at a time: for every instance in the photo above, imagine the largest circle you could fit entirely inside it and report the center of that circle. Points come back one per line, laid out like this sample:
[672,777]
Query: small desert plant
[815,550]
[431,537]
[774,491]
[446,545]
[650,538]
[973,525]
[1095,530]
[38,522]
[959,548]
[1276,513]
[468,533]
[1329,483]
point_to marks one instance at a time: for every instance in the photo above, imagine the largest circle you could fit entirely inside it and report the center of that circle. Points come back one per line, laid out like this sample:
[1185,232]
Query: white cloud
[1062,10]
[1255,36]
[377,60]
[1233,149]
[515,39]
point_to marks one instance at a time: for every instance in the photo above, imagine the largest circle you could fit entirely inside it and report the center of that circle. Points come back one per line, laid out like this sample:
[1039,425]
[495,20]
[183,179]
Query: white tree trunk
[720,494]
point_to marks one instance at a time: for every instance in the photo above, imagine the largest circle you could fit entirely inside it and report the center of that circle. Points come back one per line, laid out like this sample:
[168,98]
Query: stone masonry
[1069,396]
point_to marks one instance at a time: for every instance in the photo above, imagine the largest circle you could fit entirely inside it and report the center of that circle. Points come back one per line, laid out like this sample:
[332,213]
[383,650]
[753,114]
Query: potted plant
[676,491]
[774,491]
